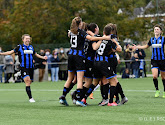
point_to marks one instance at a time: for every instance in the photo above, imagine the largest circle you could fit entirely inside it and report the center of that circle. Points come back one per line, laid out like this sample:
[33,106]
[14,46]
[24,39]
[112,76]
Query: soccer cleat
[79,103]
[112,104]
[104,102]
[124,100]
[31,100]
[100,102]
[118,101]
[91,96]
[63,101]
[163,95]
[84,101]
[157,93]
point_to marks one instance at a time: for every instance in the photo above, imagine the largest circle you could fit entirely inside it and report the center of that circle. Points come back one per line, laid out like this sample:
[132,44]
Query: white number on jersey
[100,51]
[73,41]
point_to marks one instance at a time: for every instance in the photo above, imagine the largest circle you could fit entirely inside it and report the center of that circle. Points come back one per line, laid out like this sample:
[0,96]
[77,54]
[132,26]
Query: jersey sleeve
[16,49]
[149,43]
[34,52]
[114,46]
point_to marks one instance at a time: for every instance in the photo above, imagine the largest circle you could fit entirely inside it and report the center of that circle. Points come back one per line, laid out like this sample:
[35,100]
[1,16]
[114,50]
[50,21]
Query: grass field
[141,109]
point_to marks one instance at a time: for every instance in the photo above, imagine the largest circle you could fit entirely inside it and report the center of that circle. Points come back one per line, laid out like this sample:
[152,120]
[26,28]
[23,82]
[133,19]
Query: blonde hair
[75,24]
[84,26]
[23,36]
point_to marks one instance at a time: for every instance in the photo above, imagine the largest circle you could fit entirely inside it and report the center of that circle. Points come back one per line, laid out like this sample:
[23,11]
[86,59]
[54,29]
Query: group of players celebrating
[92,60]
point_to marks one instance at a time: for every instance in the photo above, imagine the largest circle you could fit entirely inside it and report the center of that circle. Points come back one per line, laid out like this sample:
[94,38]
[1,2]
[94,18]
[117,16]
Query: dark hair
[92,27]
[114,28]
[157,25]
[108,30]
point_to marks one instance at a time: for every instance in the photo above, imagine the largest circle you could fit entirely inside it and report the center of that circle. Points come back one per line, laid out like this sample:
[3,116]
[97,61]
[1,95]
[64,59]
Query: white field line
[47,90]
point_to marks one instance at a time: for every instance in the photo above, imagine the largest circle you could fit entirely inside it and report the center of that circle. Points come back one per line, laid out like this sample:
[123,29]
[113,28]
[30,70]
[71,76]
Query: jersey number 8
[100,51]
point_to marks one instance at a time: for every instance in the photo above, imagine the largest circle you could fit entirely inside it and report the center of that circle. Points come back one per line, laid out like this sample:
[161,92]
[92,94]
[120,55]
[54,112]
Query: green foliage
[47,21]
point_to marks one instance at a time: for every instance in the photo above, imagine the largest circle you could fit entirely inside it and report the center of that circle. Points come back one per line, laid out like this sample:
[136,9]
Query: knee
[155,76]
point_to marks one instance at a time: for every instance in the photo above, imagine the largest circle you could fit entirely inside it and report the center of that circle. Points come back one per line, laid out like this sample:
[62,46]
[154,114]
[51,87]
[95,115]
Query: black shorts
[27,72]
[102,68]
[88,68]
[76,62]
[113,63]
[158,64]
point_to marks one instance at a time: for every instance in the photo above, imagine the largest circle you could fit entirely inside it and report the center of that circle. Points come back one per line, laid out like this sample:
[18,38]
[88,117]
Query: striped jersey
[25,54]
[77,43]
[157,48]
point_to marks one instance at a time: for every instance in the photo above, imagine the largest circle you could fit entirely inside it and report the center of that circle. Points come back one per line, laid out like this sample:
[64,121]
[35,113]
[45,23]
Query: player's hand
[134,47]
[45,57]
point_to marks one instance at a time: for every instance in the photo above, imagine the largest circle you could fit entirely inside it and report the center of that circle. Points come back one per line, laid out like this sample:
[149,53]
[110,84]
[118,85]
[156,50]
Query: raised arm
[118,48]
[7,53]
[91,38]
[41,57]
[140,47]
[95,45]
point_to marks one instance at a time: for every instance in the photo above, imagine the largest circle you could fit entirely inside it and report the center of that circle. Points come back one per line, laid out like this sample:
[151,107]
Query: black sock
[71,86]
[163,84]
[117,96]
[112,93]
[156,83]
[106,90]
[90,90]
[102,92]
[65,91]
[84,91]
[79,94]
[28,91]
[120,90]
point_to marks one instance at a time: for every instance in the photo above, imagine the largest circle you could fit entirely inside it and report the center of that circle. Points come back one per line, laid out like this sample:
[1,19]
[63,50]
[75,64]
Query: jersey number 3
[73,41]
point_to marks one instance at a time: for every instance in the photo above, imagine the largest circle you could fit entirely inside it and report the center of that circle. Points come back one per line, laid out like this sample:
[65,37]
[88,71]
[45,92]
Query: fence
[120,69]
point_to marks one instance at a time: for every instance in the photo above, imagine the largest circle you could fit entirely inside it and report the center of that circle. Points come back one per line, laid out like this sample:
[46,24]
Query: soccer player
[102,66]
[157,58]
[26,53]
[76,59]
[113,62]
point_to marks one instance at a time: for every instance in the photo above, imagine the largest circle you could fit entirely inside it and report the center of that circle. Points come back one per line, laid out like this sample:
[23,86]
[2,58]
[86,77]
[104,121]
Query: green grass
[141,109]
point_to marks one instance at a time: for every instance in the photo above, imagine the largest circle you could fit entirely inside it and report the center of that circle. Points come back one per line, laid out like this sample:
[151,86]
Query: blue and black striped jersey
[25,54]
[157,48]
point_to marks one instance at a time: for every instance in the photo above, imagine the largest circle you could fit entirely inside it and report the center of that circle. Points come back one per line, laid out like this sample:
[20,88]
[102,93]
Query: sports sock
[28,91]
[102,92]
[96,87]
[120,90]
[106,90]
[79,94]
[112,93]
[71,86]
[163,84]
[156,83]
[65,91]
[90,90]
[84,91]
